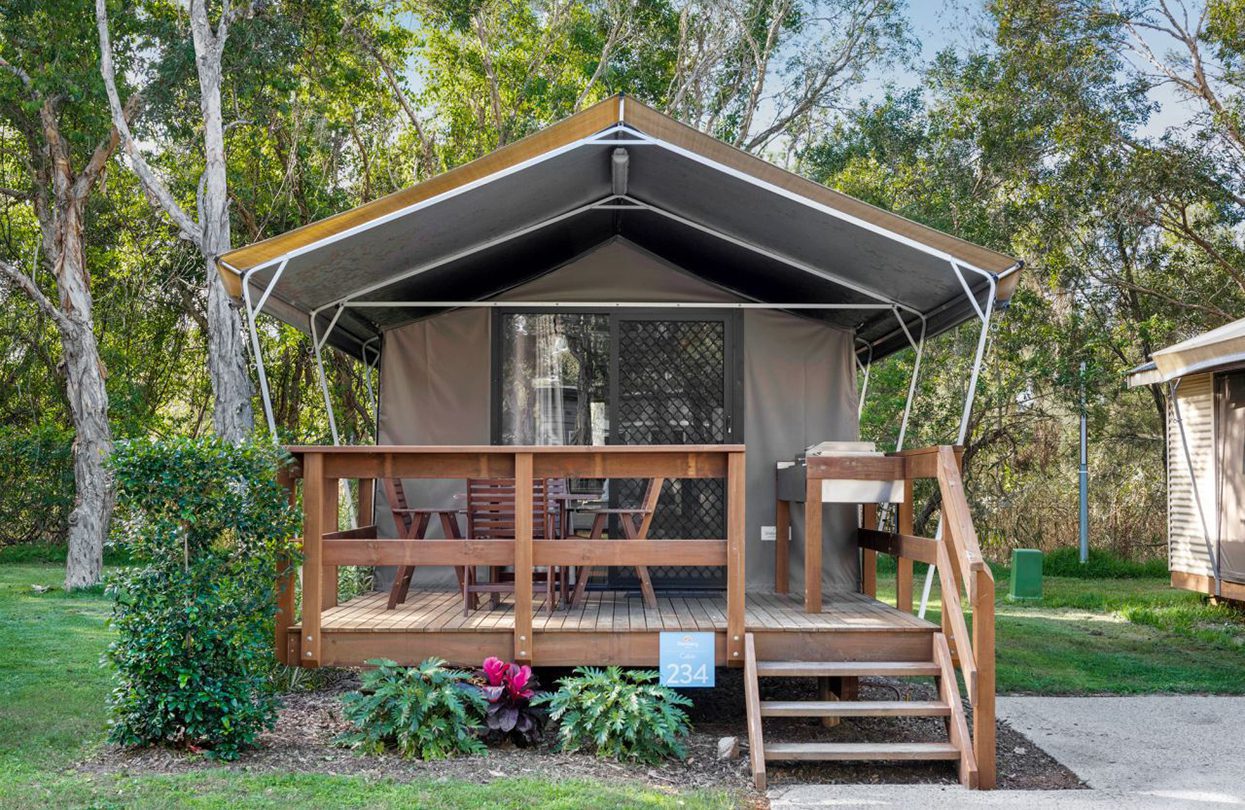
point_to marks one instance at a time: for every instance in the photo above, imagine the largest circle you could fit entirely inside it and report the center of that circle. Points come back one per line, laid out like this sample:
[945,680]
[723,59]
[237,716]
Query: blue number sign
[686,659]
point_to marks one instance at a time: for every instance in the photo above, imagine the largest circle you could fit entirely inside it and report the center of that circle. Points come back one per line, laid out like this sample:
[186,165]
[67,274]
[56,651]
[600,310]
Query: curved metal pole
[866,367]
[919,346]
[252,312]
[969,396]
[372,393]
[885,513]
[324,383]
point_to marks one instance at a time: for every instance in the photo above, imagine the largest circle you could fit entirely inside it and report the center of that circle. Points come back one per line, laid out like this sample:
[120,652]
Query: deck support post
[828,689]
[523,557]
[736,528]
[869,557]
[284,618]
[313,537]
[367,499]
[782,546]
[812,545]
[330,523]
[983,653]
[903,565]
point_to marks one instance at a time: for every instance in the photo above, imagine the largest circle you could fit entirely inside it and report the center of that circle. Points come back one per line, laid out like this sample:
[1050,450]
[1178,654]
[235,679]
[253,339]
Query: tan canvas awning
[618,169]
[1217,349]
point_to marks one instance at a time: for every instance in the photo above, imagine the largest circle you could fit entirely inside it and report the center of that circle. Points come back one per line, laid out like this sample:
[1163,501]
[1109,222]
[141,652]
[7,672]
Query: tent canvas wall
[798,380]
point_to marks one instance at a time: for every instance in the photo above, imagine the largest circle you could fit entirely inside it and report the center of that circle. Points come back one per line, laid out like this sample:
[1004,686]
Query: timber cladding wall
[1192,505]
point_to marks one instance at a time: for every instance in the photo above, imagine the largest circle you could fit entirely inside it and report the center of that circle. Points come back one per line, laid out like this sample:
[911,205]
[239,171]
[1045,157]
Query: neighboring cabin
[1205,376]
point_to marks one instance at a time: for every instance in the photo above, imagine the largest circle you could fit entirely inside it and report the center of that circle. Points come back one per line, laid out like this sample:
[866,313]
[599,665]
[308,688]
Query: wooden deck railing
[326,546]
[962,571]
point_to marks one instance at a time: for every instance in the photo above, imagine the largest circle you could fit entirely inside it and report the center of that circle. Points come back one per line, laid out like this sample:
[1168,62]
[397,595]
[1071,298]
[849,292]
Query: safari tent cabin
[1205,378]
[645,329]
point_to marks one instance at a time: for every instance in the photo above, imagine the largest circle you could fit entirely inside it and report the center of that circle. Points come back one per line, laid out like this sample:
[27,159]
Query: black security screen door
[673,381]
[627,377]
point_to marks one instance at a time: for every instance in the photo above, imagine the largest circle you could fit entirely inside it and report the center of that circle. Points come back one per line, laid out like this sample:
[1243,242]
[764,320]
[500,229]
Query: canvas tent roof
[1209,351]
[618,168]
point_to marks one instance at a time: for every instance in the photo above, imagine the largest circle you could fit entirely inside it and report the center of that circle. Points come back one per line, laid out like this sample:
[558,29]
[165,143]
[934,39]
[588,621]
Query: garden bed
[311,720]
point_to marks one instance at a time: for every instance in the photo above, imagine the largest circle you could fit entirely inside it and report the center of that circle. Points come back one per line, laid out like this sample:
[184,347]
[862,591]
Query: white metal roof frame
[957,267]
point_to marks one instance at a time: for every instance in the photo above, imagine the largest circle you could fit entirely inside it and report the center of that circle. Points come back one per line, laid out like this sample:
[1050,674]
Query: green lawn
[1087,636]
[1111,636]
[52,714]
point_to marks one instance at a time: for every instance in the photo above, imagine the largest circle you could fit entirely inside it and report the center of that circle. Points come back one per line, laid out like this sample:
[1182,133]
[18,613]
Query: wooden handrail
[961,568]
[326,547]
[975,651]
[954,616]
[904,546]
[957,518]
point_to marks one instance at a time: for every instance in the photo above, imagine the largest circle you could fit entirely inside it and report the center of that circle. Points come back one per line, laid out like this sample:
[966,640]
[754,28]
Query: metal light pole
[1084,476]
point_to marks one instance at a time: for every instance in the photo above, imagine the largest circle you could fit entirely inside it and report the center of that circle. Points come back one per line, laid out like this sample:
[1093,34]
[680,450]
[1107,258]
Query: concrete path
[1133,752]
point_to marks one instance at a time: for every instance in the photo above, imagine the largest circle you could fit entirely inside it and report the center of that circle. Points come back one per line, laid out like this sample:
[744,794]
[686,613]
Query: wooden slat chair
[490,516]
[635,522]
[412,524]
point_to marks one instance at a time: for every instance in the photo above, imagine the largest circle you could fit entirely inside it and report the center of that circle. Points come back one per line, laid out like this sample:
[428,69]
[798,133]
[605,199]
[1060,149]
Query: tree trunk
[88,402]
[233,417]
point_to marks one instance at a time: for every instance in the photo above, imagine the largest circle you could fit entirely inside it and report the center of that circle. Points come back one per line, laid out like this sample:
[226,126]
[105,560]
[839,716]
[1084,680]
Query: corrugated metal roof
[1218,349]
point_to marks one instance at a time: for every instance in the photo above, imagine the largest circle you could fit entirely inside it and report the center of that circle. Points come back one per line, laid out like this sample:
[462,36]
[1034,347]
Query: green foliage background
[1033,134]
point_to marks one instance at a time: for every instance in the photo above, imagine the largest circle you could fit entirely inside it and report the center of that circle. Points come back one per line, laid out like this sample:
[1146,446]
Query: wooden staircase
[957,747]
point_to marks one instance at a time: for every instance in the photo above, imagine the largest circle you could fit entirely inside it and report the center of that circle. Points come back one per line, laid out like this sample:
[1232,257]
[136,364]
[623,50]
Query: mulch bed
[310,721]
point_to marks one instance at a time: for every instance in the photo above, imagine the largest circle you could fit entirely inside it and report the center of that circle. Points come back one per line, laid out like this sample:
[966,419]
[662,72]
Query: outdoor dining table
[573,503]
[635,522]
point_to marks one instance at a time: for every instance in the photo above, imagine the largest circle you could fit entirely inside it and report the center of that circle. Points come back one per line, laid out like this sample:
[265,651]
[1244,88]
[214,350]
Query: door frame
[1219,396]
[733,360]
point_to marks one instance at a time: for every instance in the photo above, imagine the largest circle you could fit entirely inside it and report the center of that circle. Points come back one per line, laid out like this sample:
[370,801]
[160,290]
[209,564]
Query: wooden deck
[620,612]
[613,627]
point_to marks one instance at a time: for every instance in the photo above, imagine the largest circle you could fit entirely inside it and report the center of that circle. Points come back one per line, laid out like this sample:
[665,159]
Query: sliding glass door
[627,377]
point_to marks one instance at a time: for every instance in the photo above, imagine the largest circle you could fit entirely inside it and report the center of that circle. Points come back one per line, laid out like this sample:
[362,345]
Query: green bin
[1026,575]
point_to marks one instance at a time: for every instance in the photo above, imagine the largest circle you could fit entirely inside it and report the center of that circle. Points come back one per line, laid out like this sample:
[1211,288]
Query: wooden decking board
[615,611]
[621,619]
[635,615]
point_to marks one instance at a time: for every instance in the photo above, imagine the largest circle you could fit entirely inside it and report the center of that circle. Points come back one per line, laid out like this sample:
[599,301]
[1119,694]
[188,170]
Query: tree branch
[28,286]
[399,95]
[152,184]
[21,75]
[103,152]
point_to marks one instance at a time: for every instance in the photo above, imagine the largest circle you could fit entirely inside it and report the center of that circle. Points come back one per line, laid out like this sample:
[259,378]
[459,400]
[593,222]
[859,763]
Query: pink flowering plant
[509,689]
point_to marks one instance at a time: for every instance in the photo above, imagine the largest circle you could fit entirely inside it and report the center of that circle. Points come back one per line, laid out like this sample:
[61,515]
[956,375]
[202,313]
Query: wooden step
[854,708]
[801,669]
[861,751]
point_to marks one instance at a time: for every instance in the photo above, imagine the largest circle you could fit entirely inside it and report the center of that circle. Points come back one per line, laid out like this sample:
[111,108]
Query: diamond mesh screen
[672,390]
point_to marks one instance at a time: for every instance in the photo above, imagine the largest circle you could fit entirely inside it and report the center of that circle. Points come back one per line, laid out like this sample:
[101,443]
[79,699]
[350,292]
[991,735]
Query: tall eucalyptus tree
[209,231]
[50,94]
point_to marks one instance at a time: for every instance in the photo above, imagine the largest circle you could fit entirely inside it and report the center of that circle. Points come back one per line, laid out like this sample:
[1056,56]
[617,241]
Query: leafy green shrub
[623,714]
[208,527]
[1066,562]
[36,484]
[427,712]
